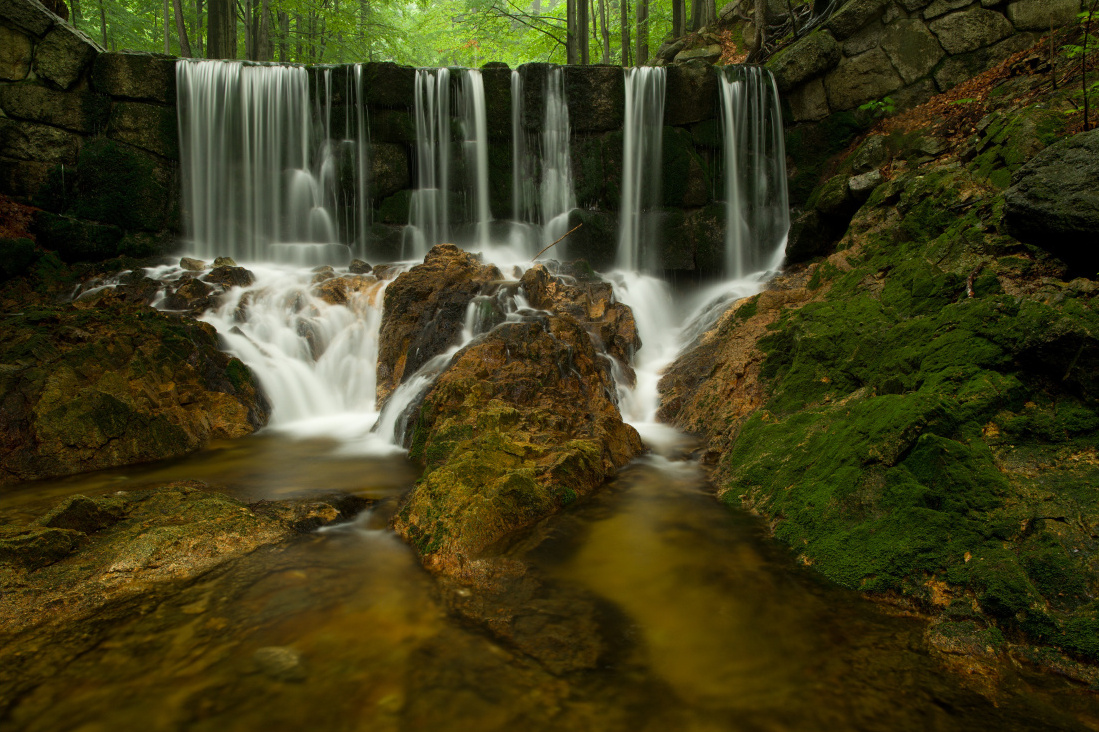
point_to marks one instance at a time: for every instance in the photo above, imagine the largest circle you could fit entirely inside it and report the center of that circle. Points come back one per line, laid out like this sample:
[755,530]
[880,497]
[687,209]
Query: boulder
[809,102]
[955,70]
[341,290]
[15,54]
[81,112]
[424,311]
[1053,202]
[971,29]
[938,8]
[229,276]
[63,55]
[140,76]
[522,423]
[709,54]
[191,295]
[358,266]
[690,93]
[591,304]
[192,265]
[30,16]
[107,383]
[812,56]
[80,513]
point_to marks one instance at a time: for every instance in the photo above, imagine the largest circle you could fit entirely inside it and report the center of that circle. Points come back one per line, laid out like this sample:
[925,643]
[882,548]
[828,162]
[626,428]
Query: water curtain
[757,209]
[642,157]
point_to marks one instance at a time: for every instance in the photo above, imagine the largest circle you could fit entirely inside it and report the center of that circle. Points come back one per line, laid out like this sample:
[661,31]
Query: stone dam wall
[91,137]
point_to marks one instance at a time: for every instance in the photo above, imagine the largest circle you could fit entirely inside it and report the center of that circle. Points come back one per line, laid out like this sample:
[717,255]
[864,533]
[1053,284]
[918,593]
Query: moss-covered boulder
[522,423]
[105,383]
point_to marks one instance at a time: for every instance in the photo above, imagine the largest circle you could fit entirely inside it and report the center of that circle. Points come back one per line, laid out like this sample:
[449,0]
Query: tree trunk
[221,31]
[679,18]
[75,12]
[572,54]
[264,49]
[642,11]
[103,23]
[181,31]
[249,30]
[582,31]
[703,13]
[284,36]
[625,32]
[606,31]
[297,32]
[198,30]
[167,28]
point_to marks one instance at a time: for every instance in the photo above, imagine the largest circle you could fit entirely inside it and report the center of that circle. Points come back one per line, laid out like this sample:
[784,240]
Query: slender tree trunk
[605,30]
[199,46]
[625,28]
[75,8]
[181,31]
[103,22]
[167,28]
[704,12]
[264,49]
[284,36]
[679,18]
[249,28]
[298,35]
[1084,66]
[582,31]
[642,12]
[572,54]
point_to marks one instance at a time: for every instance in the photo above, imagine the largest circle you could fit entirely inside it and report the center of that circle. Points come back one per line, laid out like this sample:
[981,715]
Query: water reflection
[715,629]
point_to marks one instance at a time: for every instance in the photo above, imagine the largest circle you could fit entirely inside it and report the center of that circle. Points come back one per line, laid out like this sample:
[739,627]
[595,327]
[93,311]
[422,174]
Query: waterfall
[756,204]
[430,221]
[264,179]
[556,189]
[642,157]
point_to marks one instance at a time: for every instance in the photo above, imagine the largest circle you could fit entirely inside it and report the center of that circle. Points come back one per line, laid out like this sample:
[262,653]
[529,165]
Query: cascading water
[756,203]
[642,157]
[430,217]
[263,179]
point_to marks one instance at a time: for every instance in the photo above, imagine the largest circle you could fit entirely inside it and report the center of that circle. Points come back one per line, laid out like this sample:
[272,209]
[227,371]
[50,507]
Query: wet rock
[224,262]
[192,265]
[76,240]
[522,422]
[80,513]
[325,272]
[136,385]
[388,169]
[601,92]
[230,276]
[691,90]
[358,266]
[425,309]
[192,295]
[610,324]
[33,548]
[341,290]
[1053,202]
[15,54]
[279,663]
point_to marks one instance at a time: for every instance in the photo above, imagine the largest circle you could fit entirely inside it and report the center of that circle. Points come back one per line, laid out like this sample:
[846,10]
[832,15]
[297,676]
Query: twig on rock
[556,242]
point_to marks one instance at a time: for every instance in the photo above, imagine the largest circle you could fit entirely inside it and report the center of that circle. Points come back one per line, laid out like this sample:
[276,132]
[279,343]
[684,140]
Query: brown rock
[15,55]
[425,309]
[341,290]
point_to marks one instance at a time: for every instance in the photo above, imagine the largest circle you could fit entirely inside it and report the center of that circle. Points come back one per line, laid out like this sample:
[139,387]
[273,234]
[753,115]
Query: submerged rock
[86,388]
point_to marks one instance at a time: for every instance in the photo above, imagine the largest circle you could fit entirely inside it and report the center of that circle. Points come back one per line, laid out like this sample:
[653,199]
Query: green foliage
[879,108]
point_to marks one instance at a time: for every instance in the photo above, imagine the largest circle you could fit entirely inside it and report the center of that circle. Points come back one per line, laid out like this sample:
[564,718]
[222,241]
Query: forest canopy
[414,32]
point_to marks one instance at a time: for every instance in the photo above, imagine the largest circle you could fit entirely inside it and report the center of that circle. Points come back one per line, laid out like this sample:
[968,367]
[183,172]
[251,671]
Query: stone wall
[89,137]
[908,50]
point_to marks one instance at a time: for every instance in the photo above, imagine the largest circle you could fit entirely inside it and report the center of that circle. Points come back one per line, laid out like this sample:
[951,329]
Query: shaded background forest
[414,32]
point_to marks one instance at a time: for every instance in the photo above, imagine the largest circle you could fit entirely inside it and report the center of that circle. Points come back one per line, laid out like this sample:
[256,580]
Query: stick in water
[556,242]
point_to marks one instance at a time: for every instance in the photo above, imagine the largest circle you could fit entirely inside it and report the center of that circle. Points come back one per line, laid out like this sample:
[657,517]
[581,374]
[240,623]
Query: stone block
[23,179]
[810,57]
[392,125]
[497,82]
[705,231]
[533,78]
[957,69]
[914,5]
[121,185]
[912,48]
[677,250]
[388,169]
[150,127]
[63,55]
[75,240]
[30,16]
[940,8]
[854,16]
[595,241]
[1041,15]
[809,102]
[15,54]
[971,29]
[861,79]
[82,112]
[690,94]
[37,143]
[389,84]
[685,182]
[132,75]
[915,94]
[587,154]
[864,40]
[601,92]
